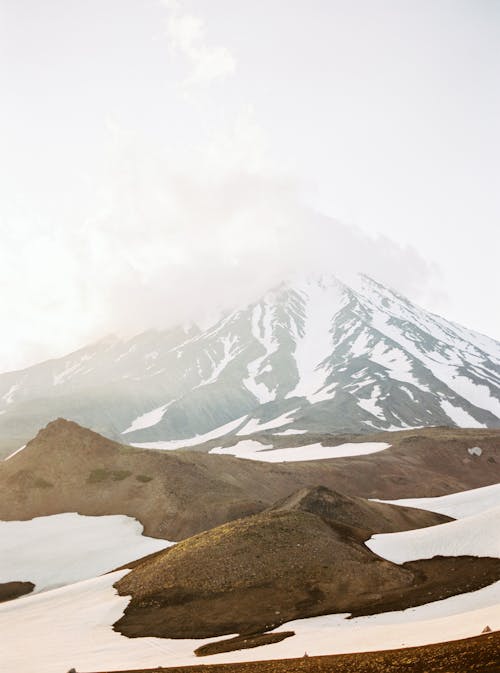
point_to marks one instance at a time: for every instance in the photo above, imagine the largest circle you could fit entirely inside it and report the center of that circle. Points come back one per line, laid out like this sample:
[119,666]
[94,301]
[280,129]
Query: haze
[161,161]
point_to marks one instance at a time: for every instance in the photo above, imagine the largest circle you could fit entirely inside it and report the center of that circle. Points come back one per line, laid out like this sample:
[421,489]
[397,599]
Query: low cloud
[177,237]
[183,239]
[186,35]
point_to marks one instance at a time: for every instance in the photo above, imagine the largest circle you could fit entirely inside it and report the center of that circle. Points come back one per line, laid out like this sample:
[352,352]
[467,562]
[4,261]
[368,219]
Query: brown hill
[360,514]
[251,575]
[177,494]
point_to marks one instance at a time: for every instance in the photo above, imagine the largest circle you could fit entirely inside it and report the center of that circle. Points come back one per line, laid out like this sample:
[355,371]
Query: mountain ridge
[337,358]
[174,494]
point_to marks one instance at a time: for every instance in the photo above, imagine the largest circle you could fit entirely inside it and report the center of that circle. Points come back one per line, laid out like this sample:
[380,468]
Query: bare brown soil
[67,468]
[242,643]
[435,579]
[469,575]
[11,590]
[472,655]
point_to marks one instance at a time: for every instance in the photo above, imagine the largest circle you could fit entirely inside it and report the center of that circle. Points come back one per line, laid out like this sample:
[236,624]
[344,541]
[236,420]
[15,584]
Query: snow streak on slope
[15,452]
[459,416]
[193,441]
[255,425]
[51,551]
[262,330]
[322,299]
[148,419]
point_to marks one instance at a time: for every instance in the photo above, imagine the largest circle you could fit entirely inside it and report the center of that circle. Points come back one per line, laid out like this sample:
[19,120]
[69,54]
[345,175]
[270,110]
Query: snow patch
[253,450]
[71,627]
[52,551]
[396,362]
[457,505]
[476,535]
[370,405]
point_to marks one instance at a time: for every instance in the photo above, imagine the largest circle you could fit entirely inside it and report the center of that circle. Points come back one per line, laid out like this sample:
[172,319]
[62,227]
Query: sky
[164,160]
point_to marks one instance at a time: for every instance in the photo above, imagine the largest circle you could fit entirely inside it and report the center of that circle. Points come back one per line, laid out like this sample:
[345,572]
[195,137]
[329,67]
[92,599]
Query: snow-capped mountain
[316,355]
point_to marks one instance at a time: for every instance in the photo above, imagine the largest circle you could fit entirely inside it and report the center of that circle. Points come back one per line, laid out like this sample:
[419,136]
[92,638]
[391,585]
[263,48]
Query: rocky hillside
[251,575]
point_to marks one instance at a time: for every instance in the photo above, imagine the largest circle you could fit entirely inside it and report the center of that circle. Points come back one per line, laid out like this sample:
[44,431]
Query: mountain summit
[314,355]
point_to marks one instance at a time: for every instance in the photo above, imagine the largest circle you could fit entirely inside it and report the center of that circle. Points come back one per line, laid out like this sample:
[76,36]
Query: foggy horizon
[166,160]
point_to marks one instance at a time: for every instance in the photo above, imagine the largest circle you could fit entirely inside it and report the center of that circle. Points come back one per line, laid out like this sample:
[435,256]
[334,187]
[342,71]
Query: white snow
[475,451]
[323,300]
[51,551]
[446,368]
[370,405]
[457,505]
[71,369]
[262,331]
[360,345]
[290,431]
[71,627]
[192,441]
[460,416]
[149,419]
[396,362]
[132,349]
[228,352]
[252,450]
[255,425]
[477,535]
[16,451]
[478,395]
[9,395]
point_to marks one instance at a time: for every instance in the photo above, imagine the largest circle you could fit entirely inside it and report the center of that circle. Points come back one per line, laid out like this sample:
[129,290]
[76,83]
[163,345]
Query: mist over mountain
[315,354]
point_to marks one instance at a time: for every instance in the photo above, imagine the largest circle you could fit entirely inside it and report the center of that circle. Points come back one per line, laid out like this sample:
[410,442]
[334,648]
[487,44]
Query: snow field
[477,535]
[52,551]
[71,627]
[457,505]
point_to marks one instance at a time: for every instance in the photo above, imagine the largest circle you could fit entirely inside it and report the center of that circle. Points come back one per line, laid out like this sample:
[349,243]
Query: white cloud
[186,35]
[177,236]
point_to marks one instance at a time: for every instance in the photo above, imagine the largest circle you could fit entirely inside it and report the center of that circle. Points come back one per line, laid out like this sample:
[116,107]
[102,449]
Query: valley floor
[480,654]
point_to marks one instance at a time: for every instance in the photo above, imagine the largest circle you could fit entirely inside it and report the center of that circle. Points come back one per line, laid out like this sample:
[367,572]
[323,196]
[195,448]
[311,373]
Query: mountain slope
[331,357]
[67,468]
